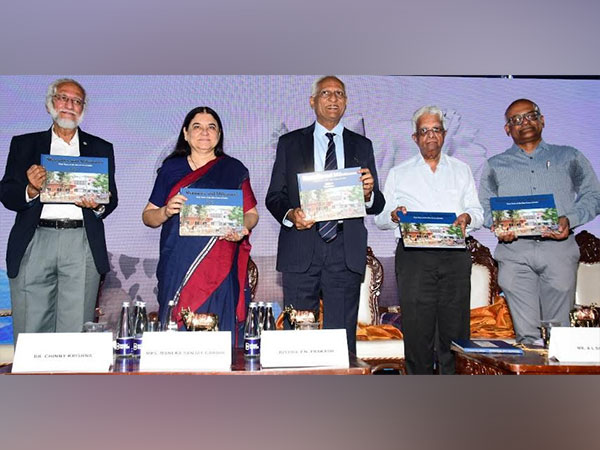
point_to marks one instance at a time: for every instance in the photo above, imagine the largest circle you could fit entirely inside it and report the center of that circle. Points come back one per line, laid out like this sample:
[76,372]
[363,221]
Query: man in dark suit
[326,259]
[56,252]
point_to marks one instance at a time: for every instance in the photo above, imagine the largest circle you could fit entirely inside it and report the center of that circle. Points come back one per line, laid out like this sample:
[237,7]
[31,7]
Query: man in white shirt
[433,284]
[56,252]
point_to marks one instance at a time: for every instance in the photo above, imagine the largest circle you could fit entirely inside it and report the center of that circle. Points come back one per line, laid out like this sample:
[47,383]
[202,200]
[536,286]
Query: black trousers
[434,288]
[327,277]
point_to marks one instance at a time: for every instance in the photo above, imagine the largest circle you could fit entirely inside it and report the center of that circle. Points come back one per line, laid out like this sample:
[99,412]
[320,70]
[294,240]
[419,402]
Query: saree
[204,273]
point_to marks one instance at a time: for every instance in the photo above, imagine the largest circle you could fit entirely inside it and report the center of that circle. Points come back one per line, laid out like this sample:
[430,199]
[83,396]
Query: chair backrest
[587,290]
[252,277]
[484,274]
[370,289]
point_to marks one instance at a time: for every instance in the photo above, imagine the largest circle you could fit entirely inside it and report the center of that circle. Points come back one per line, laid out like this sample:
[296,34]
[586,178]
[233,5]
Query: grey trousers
[57,284]
[538,279]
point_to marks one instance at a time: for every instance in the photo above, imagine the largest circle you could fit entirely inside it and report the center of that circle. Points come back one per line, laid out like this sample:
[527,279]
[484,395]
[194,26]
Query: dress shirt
[550,169]
[415,186]
[61,211]
[321,143]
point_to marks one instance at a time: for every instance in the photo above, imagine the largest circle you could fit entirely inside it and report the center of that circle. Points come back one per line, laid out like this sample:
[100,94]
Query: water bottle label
[252,347]
[137,346]
[124,346]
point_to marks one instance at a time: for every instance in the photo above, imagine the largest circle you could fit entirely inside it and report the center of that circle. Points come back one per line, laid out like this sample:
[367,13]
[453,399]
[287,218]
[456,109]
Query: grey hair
[51,92]
[432,109]
[315,86]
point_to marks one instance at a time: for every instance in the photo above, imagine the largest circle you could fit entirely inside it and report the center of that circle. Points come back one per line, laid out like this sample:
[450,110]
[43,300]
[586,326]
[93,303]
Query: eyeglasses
[326,93]
[425,131]
[531,116]
[65,99]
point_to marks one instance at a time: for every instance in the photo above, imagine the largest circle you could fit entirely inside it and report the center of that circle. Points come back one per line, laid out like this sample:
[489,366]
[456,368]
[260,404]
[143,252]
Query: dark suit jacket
[295,154]
[25,150]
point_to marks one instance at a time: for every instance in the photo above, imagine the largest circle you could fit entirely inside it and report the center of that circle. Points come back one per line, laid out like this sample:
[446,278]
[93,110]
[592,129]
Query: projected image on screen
[141,116]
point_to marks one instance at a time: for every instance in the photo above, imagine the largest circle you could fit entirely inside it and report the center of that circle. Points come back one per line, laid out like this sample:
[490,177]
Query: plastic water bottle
[261,315]
[269,322]
[124,337]
[252,333]
[170,324]
[140,326]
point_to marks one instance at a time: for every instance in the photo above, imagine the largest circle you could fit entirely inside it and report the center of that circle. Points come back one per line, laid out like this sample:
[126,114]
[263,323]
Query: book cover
[524,215]
[211,212]
[332,194]
[69,178]
[487,346]
[430,230]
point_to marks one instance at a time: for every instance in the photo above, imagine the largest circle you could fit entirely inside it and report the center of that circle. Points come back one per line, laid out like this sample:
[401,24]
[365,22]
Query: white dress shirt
[415,186]
[57,210]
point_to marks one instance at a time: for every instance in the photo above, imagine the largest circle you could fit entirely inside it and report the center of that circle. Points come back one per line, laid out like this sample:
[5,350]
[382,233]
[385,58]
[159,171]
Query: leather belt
[60,224]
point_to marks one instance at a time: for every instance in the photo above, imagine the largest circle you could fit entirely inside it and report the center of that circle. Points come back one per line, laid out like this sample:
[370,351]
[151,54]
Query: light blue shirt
[550,169]
[321,142]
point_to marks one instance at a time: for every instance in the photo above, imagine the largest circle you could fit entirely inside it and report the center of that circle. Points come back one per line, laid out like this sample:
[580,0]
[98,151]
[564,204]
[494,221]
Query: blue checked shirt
[551,169]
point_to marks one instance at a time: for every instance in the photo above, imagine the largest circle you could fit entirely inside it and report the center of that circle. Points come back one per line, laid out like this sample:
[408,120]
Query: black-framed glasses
[326,93]
[426,131]
[531,116]
[65,99]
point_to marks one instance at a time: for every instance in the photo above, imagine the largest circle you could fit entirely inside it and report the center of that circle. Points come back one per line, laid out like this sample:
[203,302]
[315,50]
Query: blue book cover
[423,229]
[69,178]
[211,212]
[332,194]
[487,346]
[524,215]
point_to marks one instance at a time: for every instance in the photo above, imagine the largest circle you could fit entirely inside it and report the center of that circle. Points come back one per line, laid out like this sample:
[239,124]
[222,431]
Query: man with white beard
[56,252]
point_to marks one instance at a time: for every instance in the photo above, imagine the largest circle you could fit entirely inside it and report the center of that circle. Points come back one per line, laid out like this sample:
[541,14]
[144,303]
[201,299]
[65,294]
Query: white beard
[68,124]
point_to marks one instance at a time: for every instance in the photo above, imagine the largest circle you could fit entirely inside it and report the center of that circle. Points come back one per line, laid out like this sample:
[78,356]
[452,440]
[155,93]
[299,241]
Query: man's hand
[463,220]
[36,175]
[368,183]
[298,218]
[563,230]
[395,212]
[87,202]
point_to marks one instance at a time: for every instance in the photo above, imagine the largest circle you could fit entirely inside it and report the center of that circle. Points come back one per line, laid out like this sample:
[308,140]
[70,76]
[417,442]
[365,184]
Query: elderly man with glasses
[325,259]
[538,274]
[56,252]
[434,285]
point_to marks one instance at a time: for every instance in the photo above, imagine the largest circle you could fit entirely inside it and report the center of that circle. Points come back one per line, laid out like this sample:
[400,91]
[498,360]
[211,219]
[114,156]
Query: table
[240,366]
[530,363]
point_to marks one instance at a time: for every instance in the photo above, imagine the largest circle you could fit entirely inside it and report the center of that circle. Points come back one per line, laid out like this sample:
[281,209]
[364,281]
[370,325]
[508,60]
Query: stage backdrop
[141,116]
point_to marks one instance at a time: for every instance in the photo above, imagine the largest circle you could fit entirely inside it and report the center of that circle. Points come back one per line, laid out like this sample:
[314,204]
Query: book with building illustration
[524,215]
[211,212]
[430,230]
[69,178]
[332,194]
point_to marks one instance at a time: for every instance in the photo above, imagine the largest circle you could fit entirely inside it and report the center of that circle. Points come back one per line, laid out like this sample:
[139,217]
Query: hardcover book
[430,230]
[487,346]
[211,212]
[524,215]
[69,178]
[332,194]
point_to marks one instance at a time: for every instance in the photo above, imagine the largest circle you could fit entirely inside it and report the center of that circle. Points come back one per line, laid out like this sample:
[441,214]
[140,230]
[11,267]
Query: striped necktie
[328,229]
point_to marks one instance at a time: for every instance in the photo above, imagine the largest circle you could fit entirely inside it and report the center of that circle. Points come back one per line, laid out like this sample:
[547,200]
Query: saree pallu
[204,273]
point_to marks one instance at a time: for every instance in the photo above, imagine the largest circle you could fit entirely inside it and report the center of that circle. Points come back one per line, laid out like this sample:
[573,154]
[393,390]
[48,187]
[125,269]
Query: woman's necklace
[192,163]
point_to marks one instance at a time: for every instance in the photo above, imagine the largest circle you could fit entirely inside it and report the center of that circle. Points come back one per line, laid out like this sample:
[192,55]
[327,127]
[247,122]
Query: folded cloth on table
[377,332]
[492,321]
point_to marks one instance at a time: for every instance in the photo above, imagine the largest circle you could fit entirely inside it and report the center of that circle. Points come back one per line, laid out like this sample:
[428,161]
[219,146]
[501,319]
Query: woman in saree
[204,273]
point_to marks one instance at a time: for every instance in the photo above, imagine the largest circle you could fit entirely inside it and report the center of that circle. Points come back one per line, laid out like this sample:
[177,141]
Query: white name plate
[182,351]
[575,345]
[63,352]
[304,348]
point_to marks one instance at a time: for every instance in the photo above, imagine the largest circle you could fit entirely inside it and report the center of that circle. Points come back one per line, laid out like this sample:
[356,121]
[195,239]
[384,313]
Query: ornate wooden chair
[588,273]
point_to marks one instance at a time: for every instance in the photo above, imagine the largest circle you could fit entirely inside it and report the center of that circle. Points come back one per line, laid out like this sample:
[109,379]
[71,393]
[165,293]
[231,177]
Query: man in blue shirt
[538,274]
